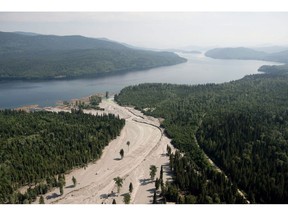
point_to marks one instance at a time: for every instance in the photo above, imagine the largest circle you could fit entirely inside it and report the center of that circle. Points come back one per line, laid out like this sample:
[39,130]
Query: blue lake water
[197,70]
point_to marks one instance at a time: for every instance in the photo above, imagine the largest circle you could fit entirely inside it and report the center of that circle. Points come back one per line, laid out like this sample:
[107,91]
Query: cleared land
[147,147]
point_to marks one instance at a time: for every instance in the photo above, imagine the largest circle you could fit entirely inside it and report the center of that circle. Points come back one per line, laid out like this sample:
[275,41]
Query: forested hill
[19,42]
[242,125]
[32,56]
[235,53]
[247,54]
[251,54]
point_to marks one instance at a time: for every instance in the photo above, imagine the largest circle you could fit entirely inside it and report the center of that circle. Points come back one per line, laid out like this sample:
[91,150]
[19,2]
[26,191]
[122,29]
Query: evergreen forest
[40,57]
[241,125]
[37,148]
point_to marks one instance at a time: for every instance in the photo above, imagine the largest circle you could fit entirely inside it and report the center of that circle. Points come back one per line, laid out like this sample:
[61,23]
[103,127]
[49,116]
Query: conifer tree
[74,181]
[168,150]
[153,170]
[61,189]
[157,183]
[155,198]
[121,153]
[161,173]
[130,187]
[41,200]
[127,198]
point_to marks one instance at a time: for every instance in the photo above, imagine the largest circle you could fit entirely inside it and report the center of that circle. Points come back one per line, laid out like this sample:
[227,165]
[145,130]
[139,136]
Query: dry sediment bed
[147,147]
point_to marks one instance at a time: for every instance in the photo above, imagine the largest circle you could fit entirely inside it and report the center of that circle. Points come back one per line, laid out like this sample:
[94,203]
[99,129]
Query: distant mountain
[184,51]
[33,56]
[278,57]
[197,48]
[26,33]
[15,42]
[271,49]
[235,53]
[246,53]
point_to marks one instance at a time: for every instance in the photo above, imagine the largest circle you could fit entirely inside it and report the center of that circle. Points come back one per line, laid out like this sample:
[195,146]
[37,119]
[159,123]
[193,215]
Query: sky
[160,24]
[158,29]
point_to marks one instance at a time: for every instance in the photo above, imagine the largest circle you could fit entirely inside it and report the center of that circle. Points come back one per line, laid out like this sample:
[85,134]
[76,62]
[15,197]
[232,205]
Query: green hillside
[53,57]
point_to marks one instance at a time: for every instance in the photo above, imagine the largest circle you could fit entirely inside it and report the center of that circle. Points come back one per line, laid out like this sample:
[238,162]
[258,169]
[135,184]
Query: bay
[197,70]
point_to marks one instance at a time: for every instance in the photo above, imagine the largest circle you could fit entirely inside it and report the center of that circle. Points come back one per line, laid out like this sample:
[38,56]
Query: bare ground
[147,147]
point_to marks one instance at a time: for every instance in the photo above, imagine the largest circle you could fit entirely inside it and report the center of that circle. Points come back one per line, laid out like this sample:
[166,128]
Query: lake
[197,70]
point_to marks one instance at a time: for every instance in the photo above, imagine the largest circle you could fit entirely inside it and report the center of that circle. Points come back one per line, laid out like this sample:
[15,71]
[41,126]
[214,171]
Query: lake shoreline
[197,70]
[88,76]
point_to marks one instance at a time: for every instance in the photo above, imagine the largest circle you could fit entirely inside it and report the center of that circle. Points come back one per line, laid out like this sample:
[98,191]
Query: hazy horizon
[159,30]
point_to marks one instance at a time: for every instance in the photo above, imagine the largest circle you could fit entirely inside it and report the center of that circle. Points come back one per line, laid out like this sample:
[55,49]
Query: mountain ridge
[252,54]
[244,53]
[235,53]
[75,56]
